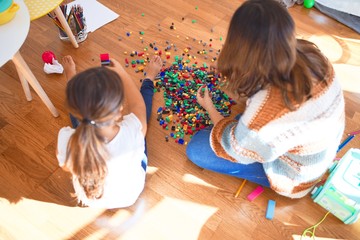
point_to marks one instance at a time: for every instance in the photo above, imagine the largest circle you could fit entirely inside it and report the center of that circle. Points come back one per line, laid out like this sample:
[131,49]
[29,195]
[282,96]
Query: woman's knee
[194,153]
[191,150]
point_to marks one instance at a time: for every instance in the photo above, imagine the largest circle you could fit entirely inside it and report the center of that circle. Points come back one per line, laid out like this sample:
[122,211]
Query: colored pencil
[75,18]
[240,188]
[346,141]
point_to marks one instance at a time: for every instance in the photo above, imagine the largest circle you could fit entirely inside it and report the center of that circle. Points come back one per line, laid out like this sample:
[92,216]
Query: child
[289,133]
[105,153]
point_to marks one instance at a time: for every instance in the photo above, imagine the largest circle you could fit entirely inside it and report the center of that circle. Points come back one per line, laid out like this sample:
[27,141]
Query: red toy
[105,59]
[48,57]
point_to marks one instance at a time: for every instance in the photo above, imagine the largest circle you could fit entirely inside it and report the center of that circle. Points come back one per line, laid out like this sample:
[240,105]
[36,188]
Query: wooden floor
[180,200]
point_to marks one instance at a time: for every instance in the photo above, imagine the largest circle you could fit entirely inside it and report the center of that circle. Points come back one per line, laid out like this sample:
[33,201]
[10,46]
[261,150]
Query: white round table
[13,35]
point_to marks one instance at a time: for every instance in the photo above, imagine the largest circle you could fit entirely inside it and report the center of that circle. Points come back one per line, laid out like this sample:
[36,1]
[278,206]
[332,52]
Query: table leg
[24,84]
[25,73]
[65,25]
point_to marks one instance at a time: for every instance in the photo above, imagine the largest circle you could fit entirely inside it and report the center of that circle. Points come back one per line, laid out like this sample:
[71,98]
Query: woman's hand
[203,97]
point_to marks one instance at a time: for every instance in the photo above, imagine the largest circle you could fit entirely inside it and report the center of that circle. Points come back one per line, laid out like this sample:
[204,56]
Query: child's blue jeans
[147,92]
[200,152]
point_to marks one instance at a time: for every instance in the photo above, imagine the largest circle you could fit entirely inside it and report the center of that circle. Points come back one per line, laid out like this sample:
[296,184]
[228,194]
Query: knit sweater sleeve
[240,141]
[268,129]
[295,147]
[232,140]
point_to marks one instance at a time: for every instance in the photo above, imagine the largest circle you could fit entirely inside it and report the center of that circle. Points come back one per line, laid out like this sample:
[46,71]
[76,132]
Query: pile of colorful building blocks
[181,114]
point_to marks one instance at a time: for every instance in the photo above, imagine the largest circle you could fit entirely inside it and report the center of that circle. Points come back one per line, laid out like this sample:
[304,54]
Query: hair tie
[88,121]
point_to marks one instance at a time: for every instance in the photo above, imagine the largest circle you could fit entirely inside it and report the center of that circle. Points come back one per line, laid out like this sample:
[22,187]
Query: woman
[288,135]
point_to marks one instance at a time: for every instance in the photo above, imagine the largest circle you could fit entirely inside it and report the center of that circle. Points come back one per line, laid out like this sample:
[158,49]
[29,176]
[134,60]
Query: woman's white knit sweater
[295,147]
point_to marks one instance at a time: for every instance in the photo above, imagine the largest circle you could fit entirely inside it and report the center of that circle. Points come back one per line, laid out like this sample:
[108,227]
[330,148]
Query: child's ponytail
[95,98]
[88,148]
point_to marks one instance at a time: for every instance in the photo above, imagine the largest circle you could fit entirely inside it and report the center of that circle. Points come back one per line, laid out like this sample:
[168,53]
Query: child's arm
[63,140]
[204,99]
[64,166]
[135,101]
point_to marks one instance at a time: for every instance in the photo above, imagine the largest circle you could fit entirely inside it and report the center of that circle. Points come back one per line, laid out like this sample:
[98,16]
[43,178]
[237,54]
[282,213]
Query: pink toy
[354,133]
[48,57]
[255,193]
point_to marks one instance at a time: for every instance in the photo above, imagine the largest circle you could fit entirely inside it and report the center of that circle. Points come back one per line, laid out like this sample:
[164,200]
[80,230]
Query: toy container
[8,11]
[340,194]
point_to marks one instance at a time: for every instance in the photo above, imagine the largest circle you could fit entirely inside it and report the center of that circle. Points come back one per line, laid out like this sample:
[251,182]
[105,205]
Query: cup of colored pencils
[76,20]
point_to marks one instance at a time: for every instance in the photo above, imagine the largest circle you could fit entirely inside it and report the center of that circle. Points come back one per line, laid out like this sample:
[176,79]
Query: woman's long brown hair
[261,50]
[92,96]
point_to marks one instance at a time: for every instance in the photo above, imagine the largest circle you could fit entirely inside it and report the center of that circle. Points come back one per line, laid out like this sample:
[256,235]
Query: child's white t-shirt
[126,177]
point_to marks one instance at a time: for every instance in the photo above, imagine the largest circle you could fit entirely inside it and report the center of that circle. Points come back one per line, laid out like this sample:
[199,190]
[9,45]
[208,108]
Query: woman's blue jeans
[200,152]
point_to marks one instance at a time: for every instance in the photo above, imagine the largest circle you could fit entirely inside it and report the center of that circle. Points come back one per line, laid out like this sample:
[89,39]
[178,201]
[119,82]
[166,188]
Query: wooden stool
[39,8]
[13,35]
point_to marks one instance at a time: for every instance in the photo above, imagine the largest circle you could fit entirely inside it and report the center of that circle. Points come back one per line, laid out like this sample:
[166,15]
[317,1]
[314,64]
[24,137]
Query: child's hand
[204,98]
[114,64]
[117,67]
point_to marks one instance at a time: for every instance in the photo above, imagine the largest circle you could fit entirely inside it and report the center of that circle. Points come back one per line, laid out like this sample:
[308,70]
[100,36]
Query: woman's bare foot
[69,66]
[153,68]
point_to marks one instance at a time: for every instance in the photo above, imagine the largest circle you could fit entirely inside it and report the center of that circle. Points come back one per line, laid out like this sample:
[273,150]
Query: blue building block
[270,209]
